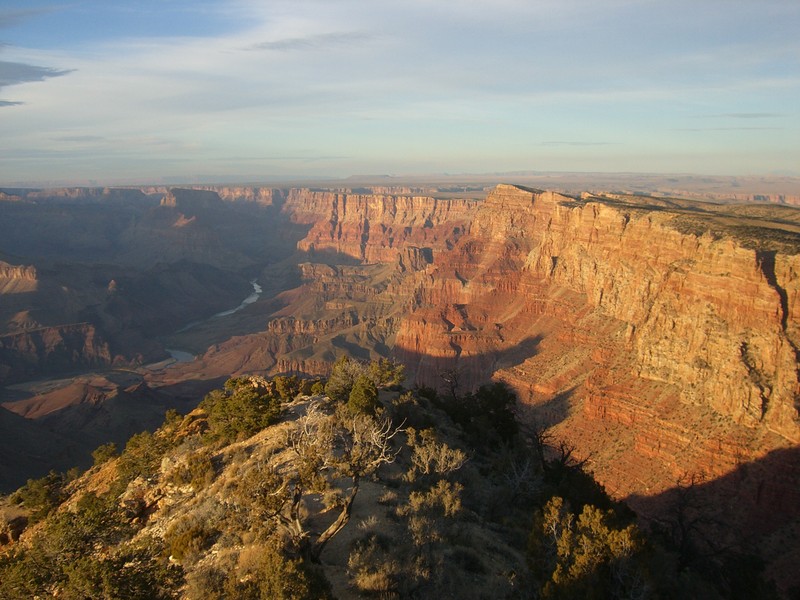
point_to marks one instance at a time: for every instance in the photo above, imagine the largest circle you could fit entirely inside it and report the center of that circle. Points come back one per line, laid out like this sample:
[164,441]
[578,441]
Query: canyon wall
[374,227]
[17,279]
[670,325]
[657,336]
[51,349]
[657,353]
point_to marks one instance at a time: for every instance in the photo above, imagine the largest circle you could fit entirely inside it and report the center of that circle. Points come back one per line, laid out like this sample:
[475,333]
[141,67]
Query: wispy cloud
[12,73]
[753,115]
[11,18]
[79,138]
[313,42]
[388,84]
[742,115]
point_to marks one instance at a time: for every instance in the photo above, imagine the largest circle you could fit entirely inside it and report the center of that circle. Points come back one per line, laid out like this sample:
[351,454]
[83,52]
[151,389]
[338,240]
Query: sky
[169,91]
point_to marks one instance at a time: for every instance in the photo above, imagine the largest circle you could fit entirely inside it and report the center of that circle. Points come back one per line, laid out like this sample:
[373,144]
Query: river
[183,356]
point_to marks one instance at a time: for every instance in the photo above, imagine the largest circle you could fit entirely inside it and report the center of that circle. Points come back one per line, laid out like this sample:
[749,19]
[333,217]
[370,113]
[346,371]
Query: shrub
[587,556]
[430,457]
[487,416]
[343,376]
[207,583]
[371,565]
[242,409]
[412,411]
[265,572]
[104,453]
[287,386]
[198,470]
[188,538]
[131,573]
[142,456]
[363,397]
[386,373]
[41,496]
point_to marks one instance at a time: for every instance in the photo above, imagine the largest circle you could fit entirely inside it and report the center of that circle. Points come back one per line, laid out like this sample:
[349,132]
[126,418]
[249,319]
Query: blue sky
[243,90]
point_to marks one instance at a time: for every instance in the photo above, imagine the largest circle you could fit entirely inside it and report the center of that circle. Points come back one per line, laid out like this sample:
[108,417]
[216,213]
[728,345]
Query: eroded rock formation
[659,337]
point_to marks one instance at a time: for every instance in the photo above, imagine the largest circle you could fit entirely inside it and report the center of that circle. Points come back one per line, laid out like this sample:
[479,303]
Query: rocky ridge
[653,333]
[657,336]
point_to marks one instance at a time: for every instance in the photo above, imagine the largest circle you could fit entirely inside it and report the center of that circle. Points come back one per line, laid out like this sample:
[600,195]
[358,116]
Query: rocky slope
[17,279]
[658,337]
[307,497]
[633,336]
[23,355]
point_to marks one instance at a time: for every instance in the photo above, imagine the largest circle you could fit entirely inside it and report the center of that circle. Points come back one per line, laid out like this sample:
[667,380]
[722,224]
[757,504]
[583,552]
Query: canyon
[656,337]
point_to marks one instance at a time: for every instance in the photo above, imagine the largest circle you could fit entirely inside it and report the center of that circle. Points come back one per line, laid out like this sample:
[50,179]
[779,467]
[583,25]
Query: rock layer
[668,351]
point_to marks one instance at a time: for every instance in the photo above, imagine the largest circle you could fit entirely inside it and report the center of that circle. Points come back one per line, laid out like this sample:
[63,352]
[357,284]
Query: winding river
[182,355]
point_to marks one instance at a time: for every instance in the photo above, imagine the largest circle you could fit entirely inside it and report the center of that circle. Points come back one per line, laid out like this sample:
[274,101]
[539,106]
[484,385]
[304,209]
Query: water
[180,356]
[247,301]
[226,313]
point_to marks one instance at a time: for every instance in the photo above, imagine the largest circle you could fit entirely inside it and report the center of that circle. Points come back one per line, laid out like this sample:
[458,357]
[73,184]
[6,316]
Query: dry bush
[207,583]
[372,564]
[264,571]
[189,537]
[197,469]
[388,498]
[431,457]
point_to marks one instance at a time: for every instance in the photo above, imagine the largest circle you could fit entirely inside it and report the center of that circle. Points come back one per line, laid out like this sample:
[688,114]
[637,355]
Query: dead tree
[330,447]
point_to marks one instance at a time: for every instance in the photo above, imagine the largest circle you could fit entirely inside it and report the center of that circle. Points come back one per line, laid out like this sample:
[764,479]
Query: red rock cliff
[374,228]
[656,351]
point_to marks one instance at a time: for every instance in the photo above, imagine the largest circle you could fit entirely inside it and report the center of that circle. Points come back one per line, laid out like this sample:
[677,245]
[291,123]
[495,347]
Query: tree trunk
[337,525]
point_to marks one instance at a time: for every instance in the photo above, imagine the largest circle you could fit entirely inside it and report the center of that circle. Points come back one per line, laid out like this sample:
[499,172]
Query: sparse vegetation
[104,453]
[41,496]
[187,539]
[458,505]
[197,470]
[243,407]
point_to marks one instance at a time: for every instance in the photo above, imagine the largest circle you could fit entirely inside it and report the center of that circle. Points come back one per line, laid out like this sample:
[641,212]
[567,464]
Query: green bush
[142,456]
[240,410]
[487,416]
[363,397]
[342,378]
[41,496]
[104,453]
[287,387]
[132,573]
[386,373]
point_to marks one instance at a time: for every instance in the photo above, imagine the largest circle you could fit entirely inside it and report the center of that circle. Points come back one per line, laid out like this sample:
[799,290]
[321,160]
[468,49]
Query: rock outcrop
[17,279]
[51,349]
[607,317]
[372,227]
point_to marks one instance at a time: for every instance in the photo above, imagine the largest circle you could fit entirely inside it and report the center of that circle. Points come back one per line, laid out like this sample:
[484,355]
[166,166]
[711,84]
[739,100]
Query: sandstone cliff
[655,351]
[374,228]
[17,279]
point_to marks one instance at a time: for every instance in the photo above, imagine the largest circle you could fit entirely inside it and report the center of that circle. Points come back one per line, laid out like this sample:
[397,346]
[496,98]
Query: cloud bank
[334,88]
